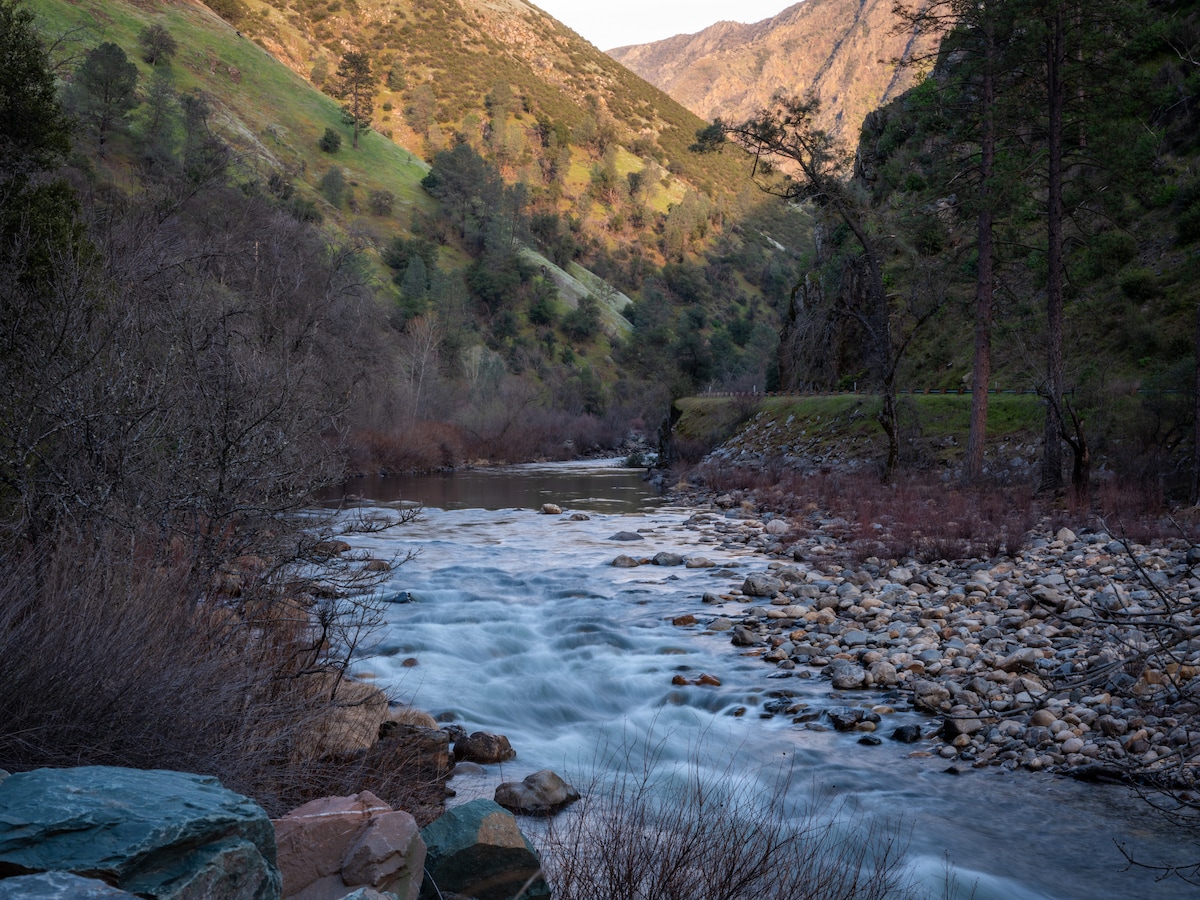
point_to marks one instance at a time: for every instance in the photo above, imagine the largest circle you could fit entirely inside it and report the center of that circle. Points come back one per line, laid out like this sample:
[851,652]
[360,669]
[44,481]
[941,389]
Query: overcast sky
[615,23]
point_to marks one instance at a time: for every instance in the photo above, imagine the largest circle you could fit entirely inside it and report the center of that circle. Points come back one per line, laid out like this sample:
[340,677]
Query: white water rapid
[520,625]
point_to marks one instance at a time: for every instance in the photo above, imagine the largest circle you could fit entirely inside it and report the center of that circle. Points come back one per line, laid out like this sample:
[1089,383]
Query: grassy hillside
[271,116]
[820,430]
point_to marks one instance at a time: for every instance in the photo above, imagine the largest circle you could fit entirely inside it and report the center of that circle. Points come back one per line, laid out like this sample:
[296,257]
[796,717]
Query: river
[518,624]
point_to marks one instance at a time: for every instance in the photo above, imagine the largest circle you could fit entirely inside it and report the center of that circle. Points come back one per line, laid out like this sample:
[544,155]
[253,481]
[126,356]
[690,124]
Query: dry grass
[654,834]
[109,656]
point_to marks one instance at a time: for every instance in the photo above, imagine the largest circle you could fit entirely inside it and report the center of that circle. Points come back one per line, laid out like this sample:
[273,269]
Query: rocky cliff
[842,50]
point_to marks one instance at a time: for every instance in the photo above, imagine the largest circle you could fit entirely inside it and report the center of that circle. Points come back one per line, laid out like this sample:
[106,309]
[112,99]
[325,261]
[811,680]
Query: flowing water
[517,624]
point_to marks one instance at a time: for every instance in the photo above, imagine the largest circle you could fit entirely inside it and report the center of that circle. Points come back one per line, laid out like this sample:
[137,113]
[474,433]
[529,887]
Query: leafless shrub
[422,447]
[107,657]
[652,833]
[911,517]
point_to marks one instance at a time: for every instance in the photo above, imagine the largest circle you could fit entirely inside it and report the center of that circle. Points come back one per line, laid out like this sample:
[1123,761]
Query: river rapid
[517,623]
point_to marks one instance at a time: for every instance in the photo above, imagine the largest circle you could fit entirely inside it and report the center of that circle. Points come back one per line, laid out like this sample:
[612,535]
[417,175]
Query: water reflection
[592,486]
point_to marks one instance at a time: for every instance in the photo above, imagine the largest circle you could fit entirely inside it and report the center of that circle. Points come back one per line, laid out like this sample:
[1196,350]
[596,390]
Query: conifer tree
[105,90]
[356,87]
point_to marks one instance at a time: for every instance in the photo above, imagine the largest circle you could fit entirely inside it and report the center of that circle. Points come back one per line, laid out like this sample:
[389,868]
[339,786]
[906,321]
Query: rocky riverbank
[1078,655]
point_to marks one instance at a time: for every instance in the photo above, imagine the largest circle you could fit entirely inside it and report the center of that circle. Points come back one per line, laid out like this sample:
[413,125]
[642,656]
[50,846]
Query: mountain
[518,199]
[842,50]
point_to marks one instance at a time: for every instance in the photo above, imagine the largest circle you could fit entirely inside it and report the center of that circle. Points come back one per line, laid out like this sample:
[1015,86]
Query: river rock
[846,675]
[907,734]
[883,674]
[387,855]
[930,695]
[744,637]
[625,561]
[962,720]
[482,747]
[551,509]
[59,886]
[664,558]
[402,744]
[540,794]
[153,833]
[626,536]
[477,850]
[761,585]
[845,718]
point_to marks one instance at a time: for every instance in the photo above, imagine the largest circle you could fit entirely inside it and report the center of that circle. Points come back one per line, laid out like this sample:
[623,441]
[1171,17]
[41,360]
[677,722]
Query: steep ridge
[841,50]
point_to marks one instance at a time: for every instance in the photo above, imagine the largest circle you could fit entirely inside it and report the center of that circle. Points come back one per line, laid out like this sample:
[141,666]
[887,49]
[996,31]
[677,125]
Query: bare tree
[817,170]
[423,338]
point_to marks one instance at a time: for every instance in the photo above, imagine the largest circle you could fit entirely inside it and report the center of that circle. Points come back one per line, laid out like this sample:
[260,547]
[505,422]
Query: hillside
[526,92]
[841,50]
[1092,282]
[539,237]
[271,117]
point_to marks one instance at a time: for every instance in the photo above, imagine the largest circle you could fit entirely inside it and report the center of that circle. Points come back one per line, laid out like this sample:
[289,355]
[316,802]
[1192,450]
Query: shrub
[333,185]
[330,141]
[157,44]
[107,656]
[232,11]
[664,834]
[381,202]
[1188,224]
[1139,284]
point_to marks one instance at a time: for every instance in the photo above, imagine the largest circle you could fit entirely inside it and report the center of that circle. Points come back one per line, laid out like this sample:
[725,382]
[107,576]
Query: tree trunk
[1196,418]
[984,281]
[889,419]
[1052,455]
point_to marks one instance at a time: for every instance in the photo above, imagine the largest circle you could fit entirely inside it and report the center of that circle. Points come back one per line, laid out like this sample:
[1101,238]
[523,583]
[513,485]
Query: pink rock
[389,855]
[313,839]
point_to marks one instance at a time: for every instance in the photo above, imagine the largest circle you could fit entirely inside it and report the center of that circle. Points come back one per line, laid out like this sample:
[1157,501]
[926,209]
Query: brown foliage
[106,658]
[925,518]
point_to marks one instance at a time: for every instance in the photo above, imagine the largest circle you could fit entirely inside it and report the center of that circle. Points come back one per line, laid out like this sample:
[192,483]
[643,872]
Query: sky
[615,23]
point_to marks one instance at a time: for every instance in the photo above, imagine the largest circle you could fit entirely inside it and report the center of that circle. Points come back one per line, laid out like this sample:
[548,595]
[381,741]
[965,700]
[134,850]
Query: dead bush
[654,833]
[421,447]
[110,656]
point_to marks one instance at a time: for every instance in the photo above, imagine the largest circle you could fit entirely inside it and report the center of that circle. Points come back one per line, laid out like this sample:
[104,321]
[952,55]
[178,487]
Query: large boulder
[328,847]
[540,794]
[59,886]
[477,850]
[152,833]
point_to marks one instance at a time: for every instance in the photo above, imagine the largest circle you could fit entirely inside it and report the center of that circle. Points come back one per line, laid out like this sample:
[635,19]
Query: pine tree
[105,90]
[356,87]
